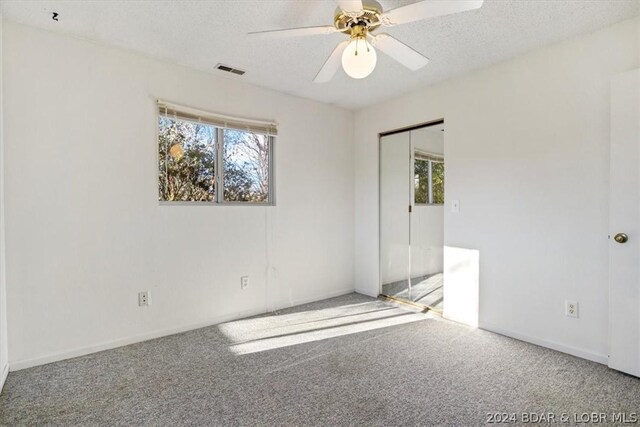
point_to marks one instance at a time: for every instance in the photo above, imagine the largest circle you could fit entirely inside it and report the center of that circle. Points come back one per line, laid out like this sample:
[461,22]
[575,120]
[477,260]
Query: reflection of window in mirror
[429,179]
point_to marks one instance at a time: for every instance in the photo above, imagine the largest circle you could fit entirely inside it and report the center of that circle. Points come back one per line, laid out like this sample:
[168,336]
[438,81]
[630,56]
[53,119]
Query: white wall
[428,139]
[527,157]
[85,231]
[427,240]
[4,354]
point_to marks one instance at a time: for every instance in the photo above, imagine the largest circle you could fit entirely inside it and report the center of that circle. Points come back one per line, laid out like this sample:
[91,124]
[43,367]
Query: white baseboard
[282,304]
[107,345]
[574,351]
[367,292]
[3,376]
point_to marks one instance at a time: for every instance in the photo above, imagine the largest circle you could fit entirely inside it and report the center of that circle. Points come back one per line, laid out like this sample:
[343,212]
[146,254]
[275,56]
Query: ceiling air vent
[228,69]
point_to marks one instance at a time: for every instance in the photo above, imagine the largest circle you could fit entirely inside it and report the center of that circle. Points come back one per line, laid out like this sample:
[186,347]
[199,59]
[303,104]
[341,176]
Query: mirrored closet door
[395,224]
[412,170]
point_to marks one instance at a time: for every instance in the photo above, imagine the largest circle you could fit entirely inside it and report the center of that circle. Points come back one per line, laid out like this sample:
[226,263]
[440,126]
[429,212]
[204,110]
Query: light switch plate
[455,206]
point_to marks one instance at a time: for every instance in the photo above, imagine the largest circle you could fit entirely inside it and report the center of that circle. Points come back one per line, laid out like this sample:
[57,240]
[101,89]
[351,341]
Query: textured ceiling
[200,34]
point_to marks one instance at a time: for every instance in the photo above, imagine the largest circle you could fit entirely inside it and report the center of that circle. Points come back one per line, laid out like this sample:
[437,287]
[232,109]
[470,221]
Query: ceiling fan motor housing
[369,18]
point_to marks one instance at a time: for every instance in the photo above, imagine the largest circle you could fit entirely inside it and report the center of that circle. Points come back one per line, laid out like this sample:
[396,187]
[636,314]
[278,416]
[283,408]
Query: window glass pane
[187,156]
[246,166]
[437,176]
[421,181]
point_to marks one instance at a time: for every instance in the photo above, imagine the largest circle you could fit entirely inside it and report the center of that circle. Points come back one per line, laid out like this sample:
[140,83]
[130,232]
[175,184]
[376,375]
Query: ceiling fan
[361,19]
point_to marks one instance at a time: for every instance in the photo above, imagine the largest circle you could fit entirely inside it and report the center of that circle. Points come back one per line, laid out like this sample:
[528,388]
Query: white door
[624,225]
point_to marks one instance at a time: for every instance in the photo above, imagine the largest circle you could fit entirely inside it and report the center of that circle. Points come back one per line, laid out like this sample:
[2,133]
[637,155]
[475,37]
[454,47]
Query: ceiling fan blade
[428,9]
[331,65]
[351,7]
[399,51]
[294,32]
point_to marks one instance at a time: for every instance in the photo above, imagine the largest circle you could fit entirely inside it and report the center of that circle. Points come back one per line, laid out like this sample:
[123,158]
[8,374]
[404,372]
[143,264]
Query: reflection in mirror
[395,198]
[412,195]
[427,217]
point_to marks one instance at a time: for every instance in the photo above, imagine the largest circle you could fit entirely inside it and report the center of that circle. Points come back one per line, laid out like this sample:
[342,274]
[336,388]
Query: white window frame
[220,173]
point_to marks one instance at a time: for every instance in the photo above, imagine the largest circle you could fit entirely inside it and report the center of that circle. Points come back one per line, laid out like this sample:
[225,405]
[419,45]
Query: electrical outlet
[571,308]
[244,282]
[143,298]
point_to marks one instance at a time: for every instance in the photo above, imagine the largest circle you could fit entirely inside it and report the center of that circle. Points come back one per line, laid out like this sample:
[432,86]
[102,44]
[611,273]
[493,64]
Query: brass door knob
[621,238]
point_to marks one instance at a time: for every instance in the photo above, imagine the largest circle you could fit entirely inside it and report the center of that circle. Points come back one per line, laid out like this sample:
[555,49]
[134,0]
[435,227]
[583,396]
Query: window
[203,160]
[429,179]
[246,166]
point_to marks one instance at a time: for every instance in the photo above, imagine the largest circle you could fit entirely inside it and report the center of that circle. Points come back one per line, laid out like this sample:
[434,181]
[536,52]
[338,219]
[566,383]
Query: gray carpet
[346,361]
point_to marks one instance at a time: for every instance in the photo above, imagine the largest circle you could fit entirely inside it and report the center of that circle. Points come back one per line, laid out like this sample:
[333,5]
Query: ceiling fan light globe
[361,65]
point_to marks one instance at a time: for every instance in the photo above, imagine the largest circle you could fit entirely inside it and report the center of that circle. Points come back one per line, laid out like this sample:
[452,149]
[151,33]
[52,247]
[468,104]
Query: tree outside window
[429,181]
[192,164]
